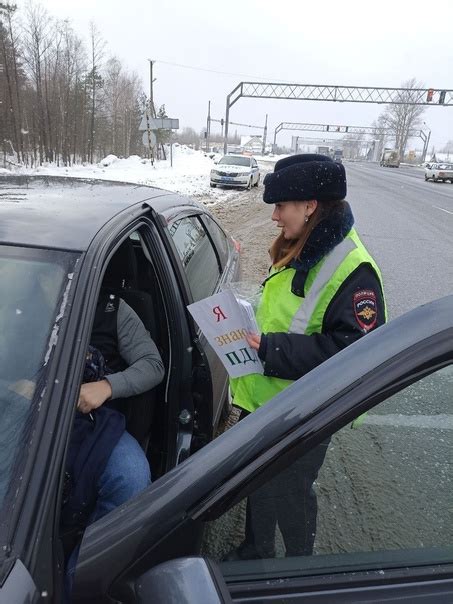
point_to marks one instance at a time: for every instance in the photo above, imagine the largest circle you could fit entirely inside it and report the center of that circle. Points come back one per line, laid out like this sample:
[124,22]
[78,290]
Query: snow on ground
[188,176]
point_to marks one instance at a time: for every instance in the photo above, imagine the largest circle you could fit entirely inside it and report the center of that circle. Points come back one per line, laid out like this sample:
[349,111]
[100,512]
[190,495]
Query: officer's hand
[253,340]
[93,395]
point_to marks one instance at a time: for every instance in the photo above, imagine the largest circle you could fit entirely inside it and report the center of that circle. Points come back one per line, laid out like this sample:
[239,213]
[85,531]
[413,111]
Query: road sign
[152,139]
[159,123]
[163,123]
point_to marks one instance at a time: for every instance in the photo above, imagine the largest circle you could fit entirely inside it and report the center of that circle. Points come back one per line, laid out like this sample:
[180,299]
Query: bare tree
[188,136]
[352,144]
[120,110]
[132,91]
[9,52]
[37,43]
[405,116]
[448,148]
[97,47]
[70,73]
[52,103]
[110,94]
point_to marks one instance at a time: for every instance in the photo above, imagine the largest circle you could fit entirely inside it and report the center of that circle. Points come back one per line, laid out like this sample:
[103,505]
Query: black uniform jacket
[356,309]
[290,356]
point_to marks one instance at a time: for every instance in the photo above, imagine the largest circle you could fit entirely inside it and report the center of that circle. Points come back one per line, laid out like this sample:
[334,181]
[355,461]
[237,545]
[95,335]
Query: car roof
[66,212]
[236,155]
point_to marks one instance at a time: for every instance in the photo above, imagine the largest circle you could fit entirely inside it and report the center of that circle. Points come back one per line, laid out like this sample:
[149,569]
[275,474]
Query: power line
[227,73]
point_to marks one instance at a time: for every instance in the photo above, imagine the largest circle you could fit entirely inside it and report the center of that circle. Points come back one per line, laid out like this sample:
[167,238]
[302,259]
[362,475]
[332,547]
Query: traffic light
[442,97]
[429,96]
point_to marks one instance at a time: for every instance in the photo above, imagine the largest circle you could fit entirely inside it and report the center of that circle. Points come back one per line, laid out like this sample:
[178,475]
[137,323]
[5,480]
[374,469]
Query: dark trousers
[288,500]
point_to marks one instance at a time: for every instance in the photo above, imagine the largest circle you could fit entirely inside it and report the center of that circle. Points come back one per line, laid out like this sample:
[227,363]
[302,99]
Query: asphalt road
[388,484]
[407,224]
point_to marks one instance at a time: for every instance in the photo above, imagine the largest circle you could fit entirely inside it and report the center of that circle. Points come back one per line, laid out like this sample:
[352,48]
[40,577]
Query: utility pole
[227,120]
[151,102]
[151,112]
[151,82]
[208,126]
[263,150]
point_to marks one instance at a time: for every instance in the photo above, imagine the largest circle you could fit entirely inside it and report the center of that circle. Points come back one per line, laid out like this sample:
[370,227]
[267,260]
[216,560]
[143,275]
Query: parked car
[236,171]
[437,172]
[384,491]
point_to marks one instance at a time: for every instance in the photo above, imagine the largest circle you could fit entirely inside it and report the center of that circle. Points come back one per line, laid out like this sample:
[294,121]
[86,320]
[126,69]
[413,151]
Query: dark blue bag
[93,438]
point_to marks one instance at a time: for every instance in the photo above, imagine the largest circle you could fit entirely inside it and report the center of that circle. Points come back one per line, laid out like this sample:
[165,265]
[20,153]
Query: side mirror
[183,581]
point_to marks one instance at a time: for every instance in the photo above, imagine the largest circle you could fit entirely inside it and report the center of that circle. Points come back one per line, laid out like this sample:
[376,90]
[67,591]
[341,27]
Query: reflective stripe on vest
[333,260]
[280,310]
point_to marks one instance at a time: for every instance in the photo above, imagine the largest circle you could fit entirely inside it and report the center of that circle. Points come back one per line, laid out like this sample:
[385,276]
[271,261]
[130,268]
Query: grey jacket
[145,367]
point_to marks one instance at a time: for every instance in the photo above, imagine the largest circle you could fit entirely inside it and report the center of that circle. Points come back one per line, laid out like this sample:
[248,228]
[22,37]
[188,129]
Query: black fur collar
[324,237]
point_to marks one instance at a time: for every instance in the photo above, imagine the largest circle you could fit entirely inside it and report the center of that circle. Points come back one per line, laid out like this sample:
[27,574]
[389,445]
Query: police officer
[324,291]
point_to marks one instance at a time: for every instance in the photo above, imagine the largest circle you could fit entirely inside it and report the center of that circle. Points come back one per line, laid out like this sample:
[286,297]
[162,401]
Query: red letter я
[218,313]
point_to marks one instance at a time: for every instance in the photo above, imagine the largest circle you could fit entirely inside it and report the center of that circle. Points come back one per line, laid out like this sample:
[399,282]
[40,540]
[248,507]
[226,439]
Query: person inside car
[324,291]
[106,465]
[126,363]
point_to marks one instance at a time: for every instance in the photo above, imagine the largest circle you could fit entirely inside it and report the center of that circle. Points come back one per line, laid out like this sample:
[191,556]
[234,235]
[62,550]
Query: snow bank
[108,161]
[188,176]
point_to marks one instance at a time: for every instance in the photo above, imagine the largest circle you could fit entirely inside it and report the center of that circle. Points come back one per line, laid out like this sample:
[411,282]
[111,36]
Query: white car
[437,172]
[236,171]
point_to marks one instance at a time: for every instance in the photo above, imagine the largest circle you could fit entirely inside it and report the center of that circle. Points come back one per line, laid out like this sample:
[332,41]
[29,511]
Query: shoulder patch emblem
[365,309]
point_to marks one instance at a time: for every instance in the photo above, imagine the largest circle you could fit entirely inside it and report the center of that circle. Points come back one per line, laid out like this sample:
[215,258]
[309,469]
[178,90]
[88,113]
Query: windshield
[33,283]
[232,160]
[445,167]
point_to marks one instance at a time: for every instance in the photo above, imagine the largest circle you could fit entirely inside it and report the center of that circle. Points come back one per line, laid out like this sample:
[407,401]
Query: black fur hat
[304,177]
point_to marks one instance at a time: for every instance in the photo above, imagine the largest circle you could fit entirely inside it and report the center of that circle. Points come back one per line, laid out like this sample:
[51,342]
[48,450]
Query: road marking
[443,209]
[439,422]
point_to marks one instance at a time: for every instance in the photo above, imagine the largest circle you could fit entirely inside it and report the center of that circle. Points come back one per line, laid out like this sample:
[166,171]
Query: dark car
[161,251]
[59,239]
[385,517]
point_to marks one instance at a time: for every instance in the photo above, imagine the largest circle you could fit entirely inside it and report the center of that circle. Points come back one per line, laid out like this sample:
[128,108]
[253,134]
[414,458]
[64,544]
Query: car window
[382,491]
[197,255]
[33,284]
[234,160]
[221,241]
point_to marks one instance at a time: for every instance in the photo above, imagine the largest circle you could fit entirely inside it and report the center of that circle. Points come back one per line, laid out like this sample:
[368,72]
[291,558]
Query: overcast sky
[344,42]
